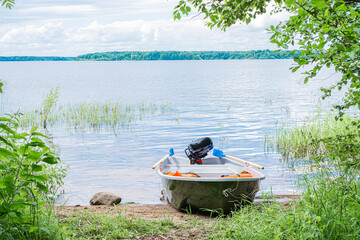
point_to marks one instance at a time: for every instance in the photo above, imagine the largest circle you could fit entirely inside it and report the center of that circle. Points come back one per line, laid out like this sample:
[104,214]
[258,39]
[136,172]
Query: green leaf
[320,4]
[6,128]
[4,160]
[6,142]
[9,183]
[352,54]
[2,184]
[36,177]
[34,139]
[17,205]
[294,69]
[34,155]
[340,47]
[35,144]
[42,187]
[36,168]
[289,2]
[33,129]
[342,7]
[24,135]
[17,136]
[45,230]
[39,134]
[3,119]
[6,153]
[321,45]
[50,160]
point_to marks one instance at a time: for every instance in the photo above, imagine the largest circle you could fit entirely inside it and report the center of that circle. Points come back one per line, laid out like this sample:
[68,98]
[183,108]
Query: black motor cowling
[198,149]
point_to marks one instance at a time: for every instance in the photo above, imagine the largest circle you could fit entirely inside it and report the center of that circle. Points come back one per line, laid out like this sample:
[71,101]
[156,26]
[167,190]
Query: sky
[72,28]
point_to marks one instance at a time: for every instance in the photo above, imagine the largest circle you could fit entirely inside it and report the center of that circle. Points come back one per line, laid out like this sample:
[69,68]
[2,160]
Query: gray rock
[105,198]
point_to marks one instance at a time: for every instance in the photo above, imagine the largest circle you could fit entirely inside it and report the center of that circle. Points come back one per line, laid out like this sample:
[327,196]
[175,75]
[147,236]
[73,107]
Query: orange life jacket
[243,174]
[177,174]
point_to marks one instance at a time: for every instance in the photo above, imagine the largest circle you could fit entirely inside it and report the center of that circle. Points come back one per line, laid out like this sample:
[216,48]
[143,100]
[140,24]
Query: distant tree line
[32,58]
[164,55]
[184,55]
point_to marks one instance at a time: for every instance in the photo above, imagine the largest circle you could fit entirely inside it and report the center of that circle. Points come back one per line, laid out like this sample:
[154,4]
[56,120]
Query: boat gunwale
[212,179]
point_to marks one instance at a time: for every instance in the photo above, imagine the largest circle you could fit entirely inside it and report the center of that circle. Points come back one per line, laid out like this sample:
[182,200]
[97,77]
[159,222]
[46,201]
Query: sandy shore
[152,211]
[146,211]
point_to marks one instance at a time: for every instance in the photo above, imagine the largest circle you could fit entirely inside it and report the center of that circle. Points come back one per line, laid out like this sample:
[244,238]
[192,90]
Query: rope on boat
[228,191]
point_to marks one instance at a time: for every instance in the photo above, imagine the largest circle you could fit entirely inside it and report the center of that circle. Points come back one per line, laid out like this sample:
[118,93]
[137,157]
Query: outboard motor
[198,149]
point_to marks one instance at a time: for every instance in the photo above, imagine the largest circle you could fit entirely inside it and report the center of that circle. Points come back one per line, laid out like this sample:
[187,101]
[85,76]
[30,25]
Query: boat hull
[220,196]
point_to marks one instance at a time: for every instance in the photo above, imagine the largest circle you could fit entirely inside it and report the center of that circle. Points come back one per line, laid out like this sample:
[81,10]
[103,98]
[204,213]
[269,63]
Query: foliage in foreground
[30,175]
[26,184]
[8,3]
[327,209]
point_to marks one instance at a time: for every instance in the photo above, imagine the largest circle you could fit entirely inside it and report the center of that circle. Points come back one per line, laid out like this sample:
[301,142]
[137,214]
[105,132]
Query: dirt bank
[146,211]
[153,211]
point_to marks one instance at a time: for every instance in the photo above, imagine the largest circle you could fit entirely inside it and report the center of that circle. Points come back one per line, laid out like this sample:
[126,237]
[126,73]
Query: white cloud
[31,34]
[129,35]
[58,10]
[70,28]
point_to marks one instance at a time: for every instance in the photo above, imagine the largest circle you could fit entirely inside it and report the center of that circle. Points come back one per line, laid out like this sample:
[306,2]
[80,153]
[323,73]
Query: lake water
[234,102]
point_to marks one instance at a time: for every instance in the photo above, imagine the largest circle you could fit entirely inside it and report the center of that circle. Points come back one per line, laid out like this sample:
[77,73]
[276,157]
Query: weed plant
[302,141]
[26,185]
[328,208]
[95,116]
[30,174]
[48,105]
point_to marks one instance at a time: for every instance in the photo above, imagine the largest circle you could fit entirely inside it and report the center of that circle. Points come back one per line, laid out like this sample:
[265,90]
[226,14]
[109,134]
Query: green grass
[89,225]
[328,209]
[95,116]
[46,227]
[299,141]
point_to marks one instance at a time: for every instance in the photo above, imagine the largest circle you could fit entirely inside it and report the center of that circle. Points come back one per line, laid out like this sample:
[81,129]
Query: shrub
[25,182]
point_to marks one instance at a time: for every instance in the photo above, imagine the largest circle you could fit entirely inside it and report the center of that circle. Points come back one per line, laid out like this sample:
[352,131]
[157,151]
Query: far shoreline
[162,56]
